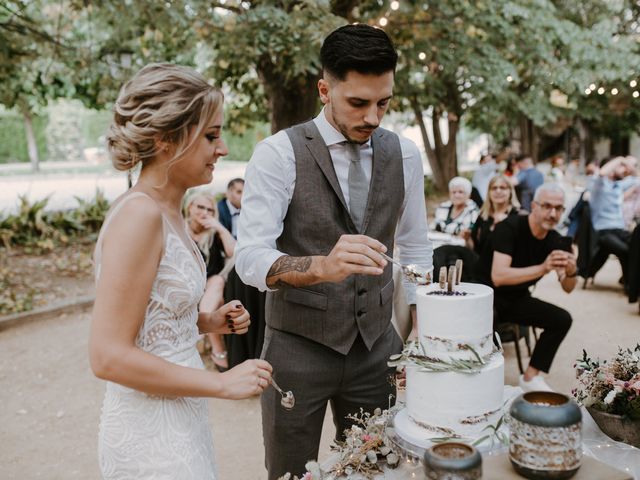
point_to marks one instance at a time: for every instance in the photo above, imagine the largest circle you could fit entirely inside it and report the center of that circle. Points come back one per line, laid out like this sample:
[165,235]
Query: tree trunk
[446,152]
[452,146]
[439,177]
[32,146]
[528,138]
[443,158]
[583,134]
[289,103]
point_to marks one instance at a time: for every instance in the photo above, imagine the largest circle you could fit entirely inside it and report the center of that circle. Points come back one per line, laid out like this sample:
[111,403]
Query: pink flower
[307,476]
[366,437]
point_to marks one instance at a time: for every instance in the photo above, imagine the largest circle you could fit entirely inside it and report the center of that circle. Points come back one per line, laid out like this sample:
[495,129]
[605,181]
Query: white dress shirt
[235,213]
[270,179]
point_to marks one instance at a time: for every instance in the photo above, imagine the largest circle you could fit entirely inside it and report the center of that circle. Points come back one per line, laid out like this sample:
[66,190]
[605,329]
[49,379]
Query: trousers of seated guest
[533,312]
[616,241]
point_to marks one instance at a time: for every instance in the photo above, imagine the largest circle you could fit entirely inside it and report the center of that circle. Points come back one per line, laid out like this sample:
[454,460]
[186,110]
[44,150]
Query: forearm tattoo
[288,264]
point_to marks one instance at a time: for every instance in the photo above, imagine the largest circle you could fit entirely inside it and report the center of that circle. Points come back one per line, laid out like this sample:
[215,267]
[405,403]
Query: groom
[321,201]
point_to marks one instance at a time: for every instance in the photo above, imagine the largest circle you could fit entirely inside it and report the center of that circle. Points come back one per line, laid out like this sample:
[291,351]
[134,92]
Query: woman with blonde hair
[150,278]
[501,202]
[216,244]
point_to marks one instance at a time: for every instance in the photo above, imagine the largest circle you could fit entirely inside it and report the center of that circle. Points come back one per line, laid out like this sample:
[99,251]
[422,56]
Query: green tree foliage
[268,53]
[32,70]
[496,62]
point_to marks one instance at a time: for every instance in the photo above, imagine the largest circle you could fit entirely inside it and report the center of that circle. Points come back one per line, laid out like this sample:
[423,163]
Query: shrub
[33,227]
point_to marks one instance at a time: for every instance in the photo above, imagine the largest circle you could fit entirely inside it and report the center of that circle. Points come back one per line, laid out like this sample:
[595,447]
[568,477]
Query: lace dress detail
[152,437]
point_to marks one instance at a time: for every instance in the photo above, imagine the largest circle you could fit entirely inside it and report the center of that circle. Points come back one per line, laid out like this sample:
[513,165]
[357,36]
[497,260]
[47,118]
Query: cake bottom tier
[450,404]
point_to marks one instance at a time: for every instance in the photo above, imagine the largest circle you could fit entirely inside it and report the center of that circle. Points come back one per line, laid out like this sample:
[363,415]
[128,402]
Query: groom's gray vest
[333,313]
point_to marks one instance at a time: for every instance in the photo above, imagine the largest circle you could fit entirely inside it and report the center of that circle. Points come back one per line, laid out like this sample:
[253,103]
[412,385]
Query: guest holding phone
[524,249]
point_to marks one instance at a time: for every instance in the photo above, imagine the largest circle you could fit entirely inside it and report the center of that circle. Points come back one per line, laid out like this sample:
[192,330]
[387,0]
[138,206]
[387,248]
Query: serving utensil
[413,272]
[287,401]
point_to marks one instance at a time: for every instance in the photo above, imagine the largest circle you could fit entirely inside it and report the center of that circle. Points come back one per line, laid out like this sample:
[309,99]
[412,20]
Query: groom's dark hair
[361,48]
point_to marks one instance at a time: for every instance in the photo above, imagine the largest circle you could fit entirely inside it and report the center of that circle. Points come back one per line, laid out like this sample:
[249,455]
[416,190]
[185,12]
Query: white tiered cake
[455,379]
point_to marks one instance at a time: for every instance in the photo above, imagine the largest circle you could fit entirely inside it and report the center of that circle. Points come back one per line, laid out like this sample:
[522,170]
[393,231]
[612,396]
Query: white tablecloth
[595,444]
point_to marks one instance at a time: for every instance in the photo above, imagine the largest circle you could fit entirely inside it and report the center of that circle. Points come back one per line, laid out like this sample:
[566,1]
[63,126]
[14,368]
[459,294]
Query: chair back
[446,256]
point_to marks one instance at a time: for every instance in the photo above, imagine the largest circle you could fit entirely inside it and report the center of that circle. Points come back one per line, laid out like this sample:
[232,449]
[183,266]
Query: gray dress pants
[317,374]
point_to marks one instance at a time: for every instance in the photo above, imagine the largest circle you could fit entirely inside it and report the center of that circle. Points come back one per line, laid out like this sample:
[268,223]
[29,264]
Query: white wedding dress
[152,437]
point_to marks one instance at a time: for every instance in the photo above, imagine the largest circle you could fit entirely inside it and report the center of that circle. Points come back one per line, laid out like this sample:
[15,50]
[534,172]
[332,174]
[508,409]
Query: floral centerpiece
[610,390]
[364,450]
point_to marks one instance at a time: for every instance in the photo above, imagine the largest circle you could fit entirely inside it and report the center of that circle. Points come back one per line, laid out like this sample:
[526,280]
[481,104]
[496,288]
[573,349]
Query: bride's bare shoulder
[135,219]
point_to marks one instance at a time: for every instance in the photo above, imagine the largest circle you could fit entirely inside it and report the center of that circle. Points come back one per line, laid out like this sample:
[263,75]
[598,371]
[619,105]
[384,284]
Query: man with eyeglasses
[524,249]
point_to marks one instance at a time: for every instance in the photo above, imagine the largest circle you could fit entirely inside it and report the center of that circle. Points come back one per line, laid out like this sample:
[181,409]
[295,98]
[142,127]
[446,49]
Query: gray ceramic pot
[452,461]
[545,440]
[619,428]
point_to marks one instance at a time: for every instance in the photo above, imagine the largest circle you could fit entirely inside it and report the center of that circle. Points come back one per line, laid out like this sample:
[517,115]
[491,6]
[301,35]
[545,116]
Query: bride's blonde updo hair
[160,103]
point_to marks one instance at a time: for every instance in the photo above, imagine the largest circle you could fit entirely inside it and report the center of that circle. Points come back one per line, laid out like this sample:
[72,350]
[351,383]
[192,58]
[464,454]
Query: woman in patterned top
[457,215]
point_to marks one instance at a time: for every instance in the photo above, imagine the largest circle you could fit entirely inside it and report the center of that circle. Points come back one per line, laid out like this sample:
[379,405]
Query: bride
[150,277]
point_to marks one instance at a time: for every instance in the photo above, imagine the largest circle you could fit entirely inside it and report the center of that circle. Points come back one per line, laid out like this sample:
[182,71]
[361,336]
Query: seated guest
[457,215]
[487,168]
[526,180]
[249,345]
[215,244]
[631,207]
[607,190]
[524,249]
[500,203]
[631,203]
[556,173]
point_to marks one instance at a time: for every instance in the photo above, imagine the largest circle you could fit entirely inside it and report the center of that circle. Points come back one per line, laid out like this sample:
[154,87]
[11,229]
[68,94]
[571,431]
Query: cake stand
[413,451]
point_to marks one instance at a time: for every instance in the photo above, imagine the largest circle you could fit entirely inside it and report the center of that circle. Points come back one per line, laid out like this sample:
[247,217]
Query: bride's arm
[131,251]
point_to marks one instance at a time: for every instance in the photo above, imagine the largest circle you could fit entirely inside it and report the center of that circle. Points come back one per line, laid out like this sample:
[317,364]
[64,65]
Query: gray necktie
[358,185]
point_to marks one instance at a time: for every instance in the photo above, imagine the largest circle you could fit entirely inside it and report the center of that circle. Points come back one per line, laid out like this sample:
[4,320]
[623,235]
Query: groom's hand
[353,254]
[231,317]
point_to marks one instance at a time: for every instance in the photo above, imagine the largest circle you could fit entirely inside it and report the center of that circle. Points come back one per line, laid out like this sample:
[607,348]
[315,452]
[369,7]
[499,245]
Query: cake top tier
[461,292]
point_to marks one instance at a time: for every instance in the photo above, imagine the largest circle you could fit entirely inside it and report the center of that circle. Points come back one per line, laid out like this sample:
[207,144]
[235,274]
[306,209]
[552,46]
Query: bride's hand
[230,318]
[247,379]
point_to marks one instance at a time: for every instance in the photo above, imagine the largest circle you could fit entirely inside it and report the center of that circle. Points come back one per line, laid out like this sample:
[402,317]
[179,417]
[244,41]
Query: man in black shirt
[525,248]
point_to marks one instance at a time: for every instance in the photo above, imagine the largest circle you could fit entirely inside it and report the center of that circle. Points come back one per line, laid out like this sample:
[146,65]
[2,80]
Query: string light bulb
[633,83]
[509,78]
[422,55]
[636,94]
[592,86]
[587,91]
[383,22]
[601,90]
[614,91]
[395,5]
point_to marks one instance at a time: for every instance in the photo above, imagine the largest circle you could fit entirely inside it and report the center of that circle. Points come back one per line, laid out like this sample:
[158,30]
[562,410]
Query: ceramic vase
[545,439]
[452,461]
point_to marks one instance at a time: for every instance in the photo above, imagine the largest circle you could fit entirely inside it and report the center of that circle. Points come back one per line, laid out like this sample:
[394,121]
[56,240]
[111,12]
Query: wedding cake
[454,375]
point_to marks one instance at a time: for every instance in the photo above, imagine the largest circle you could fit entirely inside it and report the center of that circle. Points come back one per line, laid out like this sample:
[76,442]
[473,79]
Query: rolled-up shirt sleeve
[412,233]
[265,200]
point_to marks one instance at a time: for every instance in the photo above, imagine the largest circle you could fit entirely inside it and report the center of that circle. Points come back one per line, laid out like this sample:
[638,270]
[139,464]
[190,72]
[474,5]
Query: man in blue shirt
[606,198]
[527,181]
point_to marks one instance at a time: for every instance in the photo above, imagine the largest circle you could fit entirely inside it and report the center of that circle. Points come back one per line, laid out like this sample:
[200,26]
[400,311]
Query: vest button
[362,291]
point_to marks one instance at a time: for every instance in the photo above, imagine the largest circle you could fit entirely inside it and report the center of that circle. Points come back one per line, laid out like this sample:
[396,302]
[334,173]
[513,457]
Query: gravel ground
[51,401]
